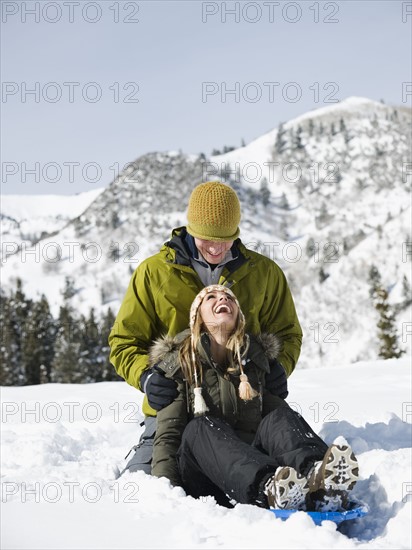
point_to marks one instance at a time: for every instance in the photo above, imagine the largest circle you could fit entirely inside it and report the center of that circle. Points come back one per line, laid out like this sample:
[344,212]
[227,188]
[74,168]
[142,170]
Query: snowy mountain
[29,218]
[325,195]
[62,445]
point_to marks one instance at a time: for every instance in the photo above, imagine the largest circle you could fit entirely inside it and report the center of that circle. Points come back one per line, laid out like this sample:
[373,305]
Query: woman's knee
[205,425]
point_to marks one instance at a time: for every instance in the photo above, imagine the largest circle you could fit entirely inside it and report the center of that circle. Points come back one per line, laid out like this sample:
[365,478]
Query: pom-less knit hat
[214,212]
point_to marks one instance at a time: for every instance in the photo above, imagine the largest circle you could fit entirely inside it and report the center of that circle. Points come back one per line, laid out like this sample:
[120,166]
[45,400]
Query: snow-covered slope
[59,464]
[338,202]
[30,217]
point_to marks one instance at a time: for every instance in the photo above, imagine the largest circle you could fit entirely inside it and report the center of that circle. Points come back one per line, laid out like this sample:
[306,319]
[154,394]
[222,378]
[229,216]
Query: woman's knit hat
[214,212]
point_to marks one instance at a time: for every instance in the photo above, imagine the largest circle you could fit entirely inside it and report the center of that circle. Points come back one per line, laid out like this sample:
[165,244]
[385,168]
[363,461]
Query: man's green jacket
[163,287]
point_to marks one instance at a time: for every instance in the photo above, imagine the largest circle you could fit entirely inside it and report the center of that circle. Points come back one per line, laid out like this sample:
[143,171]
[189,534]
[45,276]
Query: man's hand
[276,380]
[160,391]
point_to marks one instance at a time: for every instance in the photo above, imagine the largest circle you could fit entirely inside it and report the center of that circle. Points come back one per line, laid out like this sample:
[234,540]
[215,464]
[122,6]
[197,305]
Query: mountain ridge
[333,191]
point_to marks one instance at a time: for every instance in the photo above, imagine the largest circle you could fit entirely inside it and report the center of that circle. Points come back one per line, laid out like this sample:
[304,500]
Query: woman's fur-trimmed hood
[271,345]
[164,345]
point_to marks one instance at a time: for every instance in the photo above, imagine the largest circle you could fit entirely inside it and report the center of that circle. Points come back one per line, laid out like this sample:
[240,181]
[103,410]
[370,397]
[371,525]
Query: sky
[88,87]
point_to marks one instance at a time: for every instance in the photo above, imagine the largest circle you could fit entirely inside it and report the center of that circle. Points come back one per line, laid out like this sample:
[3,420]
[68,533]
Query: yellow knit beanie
[214,212]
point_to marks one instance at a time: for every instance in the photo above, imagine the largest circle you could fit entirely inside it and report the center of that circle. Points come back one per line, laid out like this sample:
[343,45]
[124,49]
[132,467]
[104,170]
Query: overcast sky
[113,80]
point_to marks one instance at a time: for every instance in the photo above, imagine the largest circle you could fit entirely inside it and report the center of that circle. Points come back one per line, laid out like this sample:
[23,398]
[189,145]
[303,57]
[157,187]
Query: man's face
[213,252]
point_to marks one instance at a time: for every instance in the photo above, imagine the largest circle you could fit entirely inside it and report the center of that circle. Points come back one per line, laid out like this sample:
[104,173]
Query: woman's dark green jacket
[220,392]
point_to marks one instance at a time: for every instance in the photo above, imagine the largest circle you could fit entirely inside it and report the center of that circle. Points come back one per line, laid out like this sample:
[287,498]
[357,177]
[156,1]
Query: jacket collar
[262,348]
[184,246]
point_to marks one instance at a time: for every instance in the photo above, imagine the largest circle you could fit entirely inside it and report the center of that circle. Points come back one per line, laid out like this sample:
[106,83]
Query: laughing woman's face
[218,309]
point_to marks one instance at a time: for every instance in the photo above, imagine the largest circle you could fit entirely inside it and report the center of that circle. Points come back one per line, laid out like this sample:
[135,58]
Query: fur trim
[272,345]
[164,345]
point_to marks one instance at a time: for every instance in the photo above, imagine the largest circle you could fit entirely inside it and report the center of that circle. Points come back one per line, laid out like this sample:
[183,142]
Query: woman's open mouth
[223,308]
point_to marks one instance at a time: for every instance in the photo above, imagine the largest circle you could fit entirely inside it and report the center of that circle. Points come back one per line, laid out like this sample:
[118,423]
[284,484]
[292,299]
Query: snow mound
[63,447]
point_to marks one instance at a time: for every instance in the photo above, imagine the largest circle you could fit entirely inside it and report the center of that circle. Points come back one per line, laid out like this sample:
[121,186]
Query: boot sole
[291,489]
[341,471]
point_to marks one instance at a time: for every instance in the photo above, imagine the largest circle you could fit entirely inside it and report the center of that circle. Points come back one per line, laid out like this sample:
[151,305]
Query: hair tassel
[246,392]
[199,405]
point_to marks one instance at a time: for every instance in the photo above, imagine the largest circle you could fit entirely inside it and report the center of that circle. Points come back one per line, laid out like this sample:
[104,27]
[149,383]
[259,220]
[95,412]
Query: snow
[63,446]
[27,218]
[20,207]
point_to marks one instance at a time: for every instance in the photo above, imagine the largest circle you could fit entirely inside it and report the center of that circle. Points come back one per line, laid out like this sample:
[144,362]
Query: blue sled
[318,517]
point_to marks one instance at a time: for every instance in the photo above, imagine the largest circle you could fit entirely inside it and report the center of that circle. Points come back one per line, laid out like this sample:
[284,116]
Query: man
[158,299]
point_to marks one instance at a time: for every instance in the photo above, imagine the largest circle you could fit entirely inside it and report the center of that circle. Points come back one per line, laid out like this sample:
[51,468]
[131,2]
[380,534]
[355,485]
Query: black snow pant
[213,460]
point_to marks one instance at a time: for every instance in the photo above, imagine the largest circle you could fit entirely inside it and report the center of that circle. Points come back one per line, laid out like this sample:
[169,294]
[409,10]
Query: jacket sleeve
[171,422]
[134,328]
[279,317]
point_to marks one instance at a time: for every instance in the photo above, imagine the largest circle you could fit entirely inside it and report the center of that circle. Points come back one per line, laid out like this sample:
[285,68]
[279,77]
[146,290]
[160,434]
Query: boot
[287,489]
[331,479]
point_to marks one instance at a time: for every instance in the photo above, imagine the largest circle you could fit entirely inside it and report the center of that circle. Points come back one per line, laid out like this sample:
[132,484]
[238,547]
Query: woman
[225,435]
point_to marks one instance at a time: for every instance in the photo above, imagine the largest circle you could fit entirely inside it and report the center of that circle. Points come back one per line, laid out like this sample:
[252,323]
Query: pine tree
[237,173]
[298,143]
[9,374]
[406,292]
[387,333]
[67,349]
[375,280]
[19,312]
[338,176]
[323,217]
[280,143]
[323,275]
[284,203]
[37,344]
[389,346]
[31,350]
[114,219]
[311,247]
[264,191]
[108,371]
[69,289]
[67,346]
[114,251]
[47,337]
[225,172]
[291,138]
[90,350]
